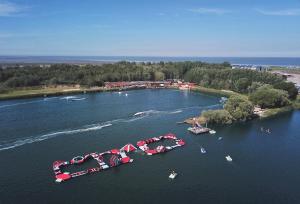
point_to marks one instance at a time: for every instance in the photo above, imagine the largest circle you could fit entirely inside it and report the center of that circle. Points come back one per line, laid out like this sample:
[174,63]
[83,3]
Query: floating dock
[198,130]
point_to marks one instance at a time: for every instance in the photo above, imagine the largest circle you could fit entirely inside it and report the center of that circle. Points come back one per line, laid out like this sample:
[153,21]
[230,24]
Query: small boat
[203,151]
[220,138]
[68,97]
[228,158]
[119,92]
[139,114]
[77,99]
[126,94]
[212,132]
[173,175]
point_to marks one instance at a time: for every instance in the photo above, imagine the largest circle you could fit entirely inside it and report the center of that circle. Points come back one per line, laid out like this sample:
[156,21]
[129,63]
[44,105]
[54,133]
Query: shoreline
[48,92]
[35,92]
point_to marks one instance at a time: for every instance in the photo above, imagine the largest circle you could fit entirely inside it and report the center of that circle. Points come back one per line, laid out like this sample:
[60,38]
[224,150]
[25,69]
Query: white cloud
[216,11]
[285,12]
[10,9]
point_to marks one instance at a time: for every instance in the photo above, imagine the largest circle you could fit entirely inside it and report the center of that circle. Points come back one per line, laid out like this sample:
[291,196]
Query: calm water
[284,61]
[36,132]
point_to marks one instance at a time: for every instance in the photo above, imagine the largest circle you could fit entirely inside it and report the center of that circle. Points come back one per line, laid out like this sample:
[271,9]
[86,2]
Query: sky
[203,28]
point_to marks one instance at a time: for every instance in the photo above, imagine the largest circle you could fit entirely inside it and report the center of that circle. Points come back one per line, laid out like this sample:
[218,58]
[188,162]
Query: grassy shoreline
[35,92]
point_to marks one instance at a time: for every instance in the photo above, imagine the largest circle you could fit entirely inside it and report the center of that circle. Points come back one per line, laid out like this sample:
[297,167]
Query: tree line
[218,76]
[96,75]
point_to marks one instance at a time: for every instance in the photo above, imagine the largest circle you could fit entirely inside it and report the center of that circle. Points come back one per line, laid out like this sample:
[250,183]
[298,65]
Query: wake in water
[71,98]
[4,145]
[24,103]
[158,112]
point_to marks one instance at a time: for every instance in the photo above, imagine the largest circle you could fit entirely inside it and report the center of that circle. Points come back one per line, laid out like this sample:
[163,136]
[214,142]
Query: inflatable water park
[117,157]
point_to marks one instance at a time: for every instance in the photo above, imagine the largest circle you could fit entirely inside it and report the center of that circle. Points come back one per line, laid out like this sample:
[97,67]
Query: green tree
[254,86]
[289,87]
[159,76]
[242,85]
[268,97]
[240,108]
[217,117]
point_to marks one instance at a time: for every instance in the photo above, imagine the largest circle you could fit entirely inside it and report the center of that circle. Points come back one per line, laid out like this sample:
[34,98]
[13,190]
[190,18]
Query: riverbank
[33,92]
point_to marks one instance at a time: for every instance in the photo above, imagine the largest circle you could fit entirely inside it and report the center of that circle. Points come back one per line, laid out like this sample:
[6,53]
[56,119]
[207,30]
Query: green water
[36,132]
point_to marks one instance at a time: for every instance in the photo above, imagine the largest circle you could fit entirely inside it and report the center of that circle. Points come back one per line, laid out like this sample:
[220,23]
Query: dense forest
[219,76]
[96,75]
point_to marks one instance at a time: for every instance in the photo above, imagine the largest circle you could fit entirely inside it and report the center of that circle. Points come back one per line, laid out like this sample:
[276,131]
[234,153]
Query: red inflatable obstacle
[116,157]
[128,148]
[143,144]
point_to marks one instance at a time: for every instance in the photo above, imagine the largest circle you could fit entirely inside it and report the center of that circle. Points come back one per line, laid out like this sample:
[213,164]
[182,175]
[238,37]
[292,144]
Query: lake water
[36,132]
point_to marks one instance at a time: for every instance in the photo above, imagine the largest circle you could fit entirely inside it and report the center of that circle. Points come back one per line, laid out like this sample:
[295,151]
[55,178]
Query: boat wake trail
[4,145]
[67,98]
[155,112]
[143,114]
[10,144]
[28,102]
[22,103]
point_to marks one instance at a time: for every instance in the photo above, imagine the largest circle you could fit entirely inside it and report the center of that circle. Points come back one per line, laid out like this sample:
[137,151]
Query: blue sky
[255,28]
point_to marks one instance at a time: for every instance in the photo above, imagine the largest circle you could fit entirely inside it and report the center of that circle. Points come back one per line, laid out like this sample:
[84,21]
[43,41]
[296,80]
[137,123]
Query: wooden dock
[198,130]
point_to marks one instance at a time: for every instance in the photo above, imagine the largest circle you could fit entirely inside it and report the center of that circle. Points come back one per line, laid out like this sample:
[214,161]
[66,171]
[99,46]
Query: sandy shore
[291,77]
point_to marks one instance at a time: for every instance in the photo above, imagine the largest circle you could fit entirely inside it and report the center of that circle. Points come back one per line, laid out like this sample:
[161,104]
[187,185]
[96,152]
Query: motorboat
[228,158]
[77,99]
[173,175]
[212,132]
[220,138]
[139,114]
[203,151]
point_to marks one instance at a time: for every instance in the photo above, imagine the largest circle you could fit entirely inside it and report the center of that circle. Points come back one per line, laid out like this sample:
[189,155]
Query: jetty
[198,130]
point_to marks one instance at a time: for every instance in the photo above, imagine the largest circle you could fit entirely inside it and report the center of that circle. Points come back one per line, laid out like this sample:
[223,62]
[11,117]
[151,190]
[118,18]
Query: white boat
[172,175]
[77,99]
[126,94]
[228,158]
[203,151]
[220,138]
[119,92]
[212,132]
[68,97]
[139,114]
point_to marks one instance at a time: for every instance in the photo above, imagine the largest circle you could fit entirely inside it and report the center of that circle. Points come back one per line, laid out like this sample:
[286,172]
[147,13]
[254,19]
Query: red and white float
[143,144]
[117,157]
